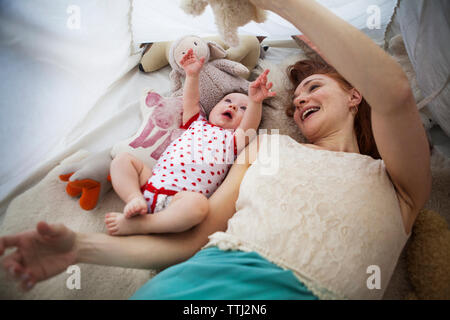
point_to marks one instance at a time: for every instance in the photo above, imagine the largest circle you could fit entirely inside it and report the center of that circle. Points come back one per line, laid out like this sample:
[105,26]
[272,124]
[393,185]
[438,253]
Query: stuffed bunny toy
[218,77]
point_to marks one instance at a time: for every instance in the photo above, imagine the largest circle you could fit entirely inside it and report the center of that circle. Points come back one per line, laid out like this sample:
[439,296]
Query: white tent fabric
[70,81]
[66,74]
[162,20]
[426,30]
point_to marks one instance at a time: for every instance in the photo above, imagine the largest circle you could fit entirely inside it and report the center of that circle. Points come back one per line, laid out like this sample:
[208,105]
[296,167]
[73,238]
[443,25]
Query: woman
[327,223]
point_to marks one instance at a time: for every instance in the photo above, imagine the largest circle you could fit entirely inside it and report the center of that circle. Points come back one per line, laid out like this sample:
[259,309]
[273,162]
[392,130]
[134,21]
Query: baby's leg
[128,174]
[186,210]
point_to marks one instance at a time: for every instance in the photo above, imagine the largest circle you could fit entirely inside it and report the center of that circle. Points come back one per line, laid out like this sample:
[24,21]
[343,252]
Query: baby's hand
[191,64]
[260,89]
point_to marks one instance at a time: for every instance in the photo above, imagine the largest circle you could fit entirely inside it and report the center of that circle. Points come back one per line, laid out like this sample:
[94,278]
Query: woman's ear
[355,98]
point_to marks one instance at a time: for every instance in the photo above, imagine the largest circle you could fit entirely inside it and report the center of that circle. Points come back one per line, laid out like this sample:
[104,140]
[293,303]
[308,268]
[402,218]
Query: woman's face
[323,107]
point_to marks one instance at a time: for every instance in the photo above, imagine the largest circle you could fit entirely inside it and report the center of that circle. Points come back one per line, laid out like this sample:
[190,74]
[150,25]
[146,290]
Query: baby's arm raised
[258,91]
[191,92]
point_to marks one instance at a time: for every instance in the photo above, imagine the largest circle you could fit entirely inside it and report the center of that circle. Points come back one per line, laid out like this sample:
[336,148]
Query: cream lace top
[327,216]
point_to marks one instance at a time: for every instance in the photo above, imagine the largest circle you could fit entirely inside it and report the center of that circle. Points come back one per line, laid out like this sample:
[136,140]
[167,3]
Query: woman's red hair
[363,125]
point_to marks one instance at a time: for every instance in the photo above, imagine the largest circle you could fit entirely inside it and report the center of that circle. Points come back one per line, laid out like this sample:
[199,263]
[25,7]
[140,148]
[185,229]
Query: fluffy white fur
[229,15]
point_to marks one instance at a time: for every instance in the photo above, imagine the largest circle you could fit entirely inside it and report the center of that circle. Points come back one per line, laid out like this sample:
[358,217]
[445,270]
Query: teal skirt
[214,274]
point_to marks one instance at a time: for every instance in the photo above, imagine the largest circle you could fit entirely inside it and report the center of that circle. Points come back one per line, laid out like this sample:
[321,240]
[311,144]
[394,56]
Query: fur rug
[400,286]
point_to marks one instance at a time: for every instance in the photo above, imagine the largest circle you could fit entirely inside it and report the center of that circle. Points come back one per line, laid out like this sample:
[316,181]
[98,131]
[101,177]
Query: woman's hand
[259,89]
[191,64]
[41,253]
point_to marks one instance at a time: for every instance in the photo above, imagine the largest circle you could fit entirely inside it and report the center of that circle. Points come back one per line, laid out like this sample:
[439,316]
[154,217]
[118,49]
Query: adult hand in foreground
[41,253]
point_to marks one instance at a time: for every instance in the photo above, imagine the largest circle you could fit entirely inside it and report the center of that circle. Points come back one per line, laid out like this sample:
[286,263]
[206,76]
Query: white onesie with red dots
[197,161]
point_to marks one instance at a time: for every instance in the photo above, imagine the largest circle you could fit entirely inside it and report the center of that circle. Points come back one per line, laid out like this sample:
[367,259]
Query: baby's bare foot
[118,225]
[135,206]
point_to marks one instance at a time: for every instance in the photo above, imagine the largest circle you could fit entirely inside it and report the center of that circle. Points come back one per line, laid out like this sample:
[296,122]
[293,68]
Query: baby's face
[228,113]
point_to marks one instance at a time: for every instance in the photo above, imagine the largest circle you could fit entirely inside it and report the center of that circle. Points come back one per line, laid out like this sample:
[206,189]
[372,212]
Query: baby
[192,166]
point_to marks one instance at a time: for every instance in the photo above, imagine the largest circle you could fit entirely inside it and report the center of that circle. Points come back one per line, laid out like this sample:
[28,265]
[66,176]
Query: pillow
[156,55]
[162,117]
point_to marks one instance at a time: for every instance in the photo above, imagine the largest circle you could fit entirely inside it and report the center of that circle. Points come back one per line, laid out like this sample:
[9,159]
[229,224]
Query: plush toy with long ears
[218,77]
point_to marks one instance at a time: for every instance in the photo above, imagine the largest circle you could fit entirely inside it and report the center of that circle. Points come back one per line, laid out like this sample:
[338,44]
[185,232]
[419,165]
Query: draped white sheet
[63,88]
[162,20]
[425,26]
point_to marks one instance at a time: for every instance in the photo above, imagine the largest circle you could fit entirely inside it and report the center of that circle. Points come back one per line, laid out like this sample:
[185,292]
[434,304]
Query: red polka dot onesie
[196,161]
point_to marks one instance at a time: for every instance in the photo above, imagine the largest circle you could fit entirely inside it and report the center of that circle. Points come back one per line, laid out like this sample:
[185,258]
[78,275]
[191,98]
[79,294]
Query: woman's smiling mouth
[308,112]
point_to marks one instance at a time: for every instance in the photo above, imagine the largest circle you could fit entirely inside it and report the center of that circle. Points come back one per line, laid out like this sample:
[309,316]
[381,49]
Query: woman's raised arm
[396,124]
[377,76]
